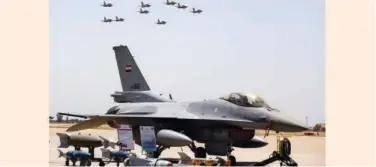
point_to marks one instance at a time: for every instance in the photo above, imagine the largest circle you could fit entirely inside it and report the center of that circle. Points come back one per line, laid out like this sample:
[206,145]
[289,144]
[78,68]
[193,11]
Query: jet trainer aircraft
[106,20]
[143,5]
[106,4]
[161,22]
[143,11]
[172,3]
[196,11]
[182,6]
[221,123]
[118,19]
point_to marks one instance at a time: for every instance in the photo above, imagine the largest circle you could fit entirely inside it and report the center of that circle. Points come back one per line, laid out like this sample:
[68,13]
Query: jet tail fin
[108,143]
[61,153]
[130,75]
[64,140]
[184,156]
[106,153]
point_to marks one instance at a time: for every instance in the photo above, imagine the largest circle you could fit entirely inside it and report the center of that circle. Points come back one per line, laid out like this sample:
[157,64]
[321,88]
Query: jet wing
[75,115]
[98,120]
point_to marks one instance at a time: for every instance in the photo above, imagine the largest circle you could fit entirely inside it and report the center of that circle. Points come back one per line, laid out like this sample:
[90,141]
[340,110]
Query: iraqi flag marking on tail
[128,68]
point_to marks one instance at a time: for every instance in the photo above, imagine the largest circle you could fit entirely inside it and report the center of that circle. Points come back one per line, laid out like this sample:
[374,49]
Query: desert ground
[306,150]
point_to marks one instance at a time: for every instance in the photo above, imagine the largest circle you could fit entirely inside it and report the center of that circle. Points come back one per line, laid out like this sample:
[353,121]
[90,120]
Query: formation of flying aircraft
[117,19]
[146,5]
[106,4]
[220,123]
[196,11]
[161,22]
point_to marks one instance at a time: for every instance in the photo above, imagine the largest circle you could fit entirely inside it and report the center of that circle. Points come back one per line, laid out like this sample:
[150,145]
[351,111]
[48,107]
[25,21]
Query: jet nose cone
[286,124]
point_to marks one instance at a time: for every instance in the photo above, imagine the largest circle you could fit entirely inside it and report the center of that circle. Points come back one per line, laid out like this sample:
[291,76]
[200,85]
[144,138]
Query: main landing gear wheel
[200,152]
[232,159]
[156,154]
[101,163]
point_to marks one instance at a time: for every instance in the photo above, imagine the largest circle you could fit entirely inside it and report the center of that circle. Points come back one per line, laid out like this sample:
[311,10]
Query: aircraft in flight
[143,11]
[118,19]
[182,6]
[106,20]
[106,4]
[196,11]
[221,123]
[143,5]
[161,22]
[172,3]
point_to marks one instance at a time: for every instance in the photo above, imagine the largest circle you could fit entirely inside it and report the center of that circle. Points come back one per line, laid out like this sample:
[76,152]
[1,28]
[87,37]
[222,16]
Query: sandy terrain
[306,150]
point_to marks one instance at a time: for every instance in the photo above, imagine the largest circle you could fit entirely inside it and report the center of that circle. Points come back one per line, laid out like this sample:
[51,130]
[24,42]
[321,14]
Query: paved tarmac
[306,150]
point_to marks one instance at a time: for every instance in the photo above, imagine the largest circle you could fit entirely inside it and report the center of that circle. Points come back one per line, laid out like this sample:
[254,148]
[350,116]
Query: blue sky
[274,48]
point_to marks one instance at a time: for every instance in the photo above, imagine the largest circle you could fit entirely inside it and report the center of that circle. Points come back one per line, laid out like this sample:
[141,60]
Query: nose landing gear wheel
[232,159]
[67,162]
[200,152]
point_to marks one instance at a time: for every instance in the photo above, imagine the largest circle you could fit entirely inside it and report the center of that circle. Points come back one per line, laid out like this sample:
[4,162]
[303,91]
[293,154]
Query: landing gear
[232,159]
[200,152]
[229,156]
[117,160]
[101,163]
[66,162]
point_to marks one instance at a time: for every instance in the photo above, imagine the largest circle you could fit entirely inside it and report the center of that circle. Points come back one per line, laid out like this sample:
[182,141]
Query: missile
[74,154]
[110,154]
[135,159]
[159,162]
[83,140]
[170,138]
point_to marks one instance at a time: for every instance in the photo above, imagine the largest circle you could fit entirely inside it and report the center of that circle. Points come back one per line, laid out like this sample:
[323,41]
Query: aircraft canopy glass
[246,100]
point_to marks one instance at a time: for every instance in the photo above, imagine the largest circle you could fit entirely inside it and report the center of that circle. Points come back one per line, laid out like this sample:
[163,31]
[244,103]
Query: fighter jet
[161,22]
[196,11]
[106,20]
[106,4]
[143,11]
[119,19]
[172,3]
[221,123]
[143,5]
[181,6]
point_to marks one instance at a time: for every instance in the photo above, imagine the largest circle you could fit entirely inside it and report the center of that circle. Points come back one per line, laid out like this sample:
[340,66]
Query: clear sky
[274,48]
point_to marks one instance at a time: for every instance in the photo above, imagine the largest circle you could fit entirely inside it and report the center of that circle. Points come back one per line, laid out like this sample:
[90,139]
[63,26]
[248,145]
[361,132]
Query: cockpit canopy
[246,100]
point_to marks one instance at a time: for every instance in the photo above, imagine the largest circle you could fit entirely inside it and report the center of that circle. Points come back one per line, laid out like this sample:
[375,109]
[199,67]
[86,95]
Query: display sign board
[125,137]
[148,140]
